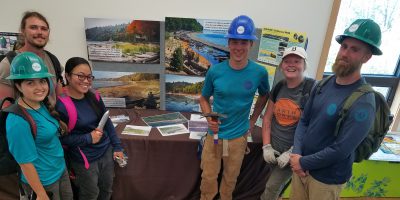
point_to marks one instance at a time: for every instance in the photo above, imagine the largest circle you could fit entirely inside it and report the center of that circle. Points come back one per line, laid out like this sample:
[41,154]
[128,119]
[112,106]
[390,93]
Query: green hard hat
[28,65]
[365,30]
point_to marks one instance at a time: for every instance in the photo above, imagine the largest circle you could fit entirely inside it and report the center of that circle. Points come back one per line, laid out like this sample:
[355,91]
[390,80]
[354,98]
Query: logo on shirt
[287,112]
[331,110]
[248,85]
[361,115]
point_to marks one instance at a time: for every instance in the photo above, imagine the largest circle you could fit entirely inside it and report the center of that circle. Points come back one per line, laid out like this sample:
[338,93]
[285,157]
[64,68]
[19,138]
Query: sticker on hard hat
[240,30]
[353,27]
[36,67]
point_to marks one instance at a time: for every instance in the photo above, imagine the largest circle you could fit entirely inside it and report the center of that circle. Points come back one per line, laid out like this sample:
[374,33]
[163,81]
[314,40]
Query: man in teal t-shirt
[232,84]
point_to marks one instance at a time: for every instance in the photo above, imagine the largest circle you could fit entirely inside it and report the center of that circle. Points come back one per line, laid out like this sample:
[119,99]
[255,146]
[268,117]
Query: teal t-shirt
[44,152]
[233,93]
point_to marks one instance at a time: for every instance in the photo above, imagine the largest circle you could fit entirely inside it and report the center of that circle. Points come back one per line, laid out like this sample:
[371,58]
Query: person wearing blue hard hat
[232,85]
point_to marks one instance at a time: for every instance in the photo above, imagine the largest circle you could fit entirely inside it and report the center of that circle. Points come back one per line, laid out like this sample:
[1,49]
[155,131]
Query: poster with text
[137,90]
[7,42]
[128,41]
[274,41]
[193,45]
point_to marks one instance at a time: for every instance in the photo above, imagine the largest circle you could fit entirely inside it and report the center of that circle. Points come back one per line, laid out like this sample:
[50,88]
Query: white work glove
[269,154]
[284,158]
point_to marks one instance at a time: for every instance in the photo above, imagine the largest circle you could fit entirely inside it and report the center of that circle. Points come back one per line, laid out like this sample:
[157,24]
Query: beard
[39,45]
[343,67]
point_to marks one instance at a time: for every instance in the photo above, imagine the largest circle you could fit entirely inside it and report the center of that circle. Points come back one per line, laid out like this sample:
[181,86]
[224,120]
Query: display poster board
[193,45]
[128,41]
[138,90]
[274,41]
[7,42]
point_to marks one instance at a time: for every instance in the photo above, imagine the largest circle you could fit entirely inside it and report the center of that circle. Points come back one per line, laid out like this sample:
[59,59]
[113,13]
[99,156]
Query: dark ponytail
[53,112]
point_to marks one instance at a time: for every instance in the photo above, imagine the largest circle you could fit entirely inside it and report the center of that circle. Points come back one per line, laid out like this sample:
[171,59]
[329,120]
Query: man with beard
[321,161]
[35,31]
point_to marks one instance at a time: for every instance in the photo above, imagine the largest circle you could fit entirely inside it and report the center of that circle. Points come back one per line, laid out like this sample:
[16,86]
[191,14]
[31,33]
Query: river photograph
[182,93]
[140,90]
[193,45]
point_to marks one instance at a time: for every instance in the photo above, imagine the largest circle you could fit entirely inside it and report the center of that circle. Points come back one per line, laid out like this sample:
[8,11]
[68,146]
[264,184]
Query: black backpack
[56,64]
[305,91]
[380,127]
[8,165]
[2,56]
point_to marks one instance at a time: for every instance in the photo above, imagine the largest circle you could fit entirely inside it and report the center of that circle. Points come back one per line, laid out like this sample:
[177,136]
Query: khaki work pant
[308,188]
[211,165]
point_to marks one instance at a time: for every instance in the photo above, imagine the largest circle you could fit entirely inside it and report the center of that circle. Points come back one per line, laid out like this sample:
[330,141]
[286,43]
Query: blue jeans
[96,182]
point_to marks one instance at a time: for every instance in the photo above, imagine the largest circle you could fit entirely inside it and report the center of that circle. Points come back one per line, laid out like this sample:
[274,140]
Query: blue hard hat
[242,27]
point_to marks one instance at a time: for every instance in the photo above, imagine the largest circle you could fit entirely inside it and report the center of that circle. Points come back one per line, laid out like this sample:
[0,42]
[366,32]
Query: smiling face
[36,32]
[292,66]
[79,80]
[33,91]
[239,51]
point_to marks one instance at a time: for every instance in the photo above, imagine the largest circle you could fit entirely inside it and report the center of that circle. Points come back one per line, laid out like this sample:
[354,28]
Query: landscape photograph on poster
[182,93]
[128,41]
[7,42]
[193,45]
[139,90]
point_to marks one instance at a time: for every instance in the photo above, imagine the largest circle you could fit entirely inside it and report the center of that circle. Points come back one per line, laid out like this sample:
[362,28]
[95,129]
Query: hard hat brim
[241,37]
[375,50]
[30,76]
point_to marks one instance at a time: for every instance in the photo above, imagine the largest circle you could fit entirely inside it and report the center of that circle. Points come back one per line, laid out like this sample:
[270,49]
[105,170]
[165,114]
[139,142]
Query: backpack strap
[57,67]
[96,94]
[10,56]
[276,89]
[22,112]
[70,106]
[2,57]
[360,91]
[322,82]
[9,99]
[305,91]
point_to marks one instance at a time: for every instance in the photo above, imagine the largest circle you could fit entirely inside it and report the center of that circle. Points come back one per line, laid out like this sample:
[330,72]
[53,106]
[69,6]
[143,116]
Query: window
[383,71]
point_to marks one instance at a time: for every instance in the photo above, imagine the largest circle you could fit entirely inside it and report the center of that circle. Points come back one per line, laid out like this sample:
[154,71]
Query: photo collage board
[146,64]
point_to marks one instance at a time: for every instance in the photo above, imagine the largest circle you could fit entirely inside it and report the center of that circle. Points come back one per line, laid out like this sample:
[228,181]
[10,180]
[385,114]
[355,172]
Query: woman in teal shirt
[41,158]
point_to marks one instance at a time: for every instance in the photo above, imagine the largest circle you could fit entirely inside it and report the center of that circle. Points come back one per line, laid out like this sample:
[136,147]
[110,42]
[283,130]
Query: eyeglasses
[83,77]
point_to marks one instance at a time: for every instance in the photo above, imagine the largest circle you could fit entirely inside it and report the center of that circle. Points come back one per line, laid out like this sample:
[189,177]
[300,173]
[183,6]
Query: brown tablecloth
[168,167]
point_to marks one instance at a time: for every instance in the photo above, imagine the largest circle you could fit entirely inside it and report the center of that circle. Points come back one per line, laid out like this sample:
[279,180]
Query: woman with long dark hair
[40,156]
[90,149]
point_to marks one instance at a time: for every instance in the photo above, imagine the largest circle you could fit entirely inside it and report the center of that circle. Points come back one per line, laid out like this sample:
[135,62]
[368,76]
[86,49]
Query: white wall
[67,38]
